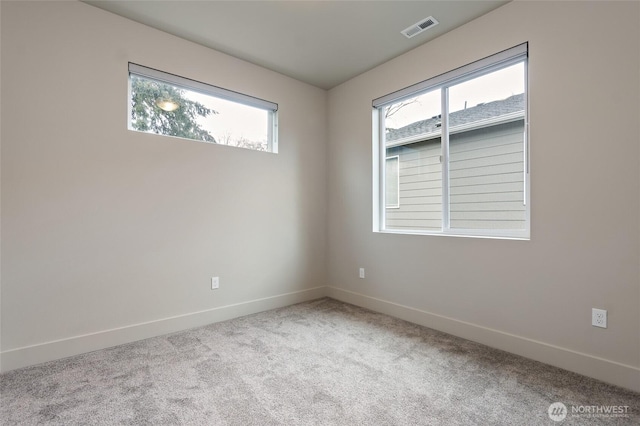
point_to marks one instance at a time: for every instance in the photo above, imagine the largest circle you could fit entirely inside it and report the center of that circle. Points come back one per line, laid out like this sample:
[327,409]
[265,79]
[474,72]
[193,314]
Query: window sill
[519,236]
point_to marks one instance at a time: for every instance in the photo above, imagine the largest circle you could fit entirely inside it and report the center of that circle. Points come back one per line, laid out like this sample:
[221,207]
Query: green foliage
[146,116]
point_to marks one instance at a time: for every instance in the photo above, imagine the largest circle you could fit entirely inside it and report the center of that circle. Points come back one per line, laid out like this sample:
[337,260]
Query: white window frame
[210,90]
[396,205]
[471,71]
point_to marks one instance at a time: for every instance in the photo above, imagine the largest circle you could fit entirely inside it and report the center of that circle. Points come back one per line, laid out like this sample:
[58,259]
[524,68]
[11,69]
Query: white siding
[392,185]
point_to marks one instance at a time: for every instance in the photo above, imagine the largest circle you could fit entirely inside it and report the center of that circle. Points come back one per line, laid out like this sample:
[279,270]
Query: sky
[233,119]
[495,86]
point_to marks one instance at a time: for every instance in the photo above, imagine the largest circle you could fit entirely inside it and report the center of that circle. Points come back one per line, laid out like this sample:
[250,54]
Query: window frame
[501,60]
[209,90]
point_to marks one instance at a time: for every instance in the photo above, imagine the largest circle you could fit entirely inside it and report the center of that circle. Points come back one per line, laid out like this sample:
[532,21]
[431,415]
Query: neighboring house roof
[480,113]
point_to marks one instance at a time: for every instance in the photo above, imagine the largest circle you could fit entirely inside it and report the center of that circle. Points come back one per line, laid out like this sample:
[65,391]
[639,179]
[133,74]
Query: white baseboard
[626,376]
[49,351]
[622,375]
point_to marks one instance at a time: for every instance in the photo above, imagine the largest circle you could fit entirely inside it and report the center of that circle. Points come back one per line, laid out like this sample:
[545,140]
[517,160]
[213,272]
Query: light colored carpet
[317,363]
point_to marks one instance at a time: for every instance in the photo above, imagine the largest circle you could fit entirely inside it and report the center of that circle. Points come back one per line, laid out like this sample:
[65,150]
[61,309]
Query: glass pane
[486,151]
[168,110]
[413,135]
[392,185]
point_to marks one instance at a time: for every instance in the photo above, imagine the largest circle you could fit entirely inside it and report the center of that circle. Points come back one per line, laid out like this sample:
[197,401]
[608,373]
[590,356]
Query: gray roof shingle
[480,112]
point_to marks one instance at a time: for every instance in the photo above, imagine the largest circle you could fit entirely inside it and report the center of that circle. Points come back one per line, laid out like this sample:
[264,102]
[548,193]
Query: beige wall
[532,297]
[109,228]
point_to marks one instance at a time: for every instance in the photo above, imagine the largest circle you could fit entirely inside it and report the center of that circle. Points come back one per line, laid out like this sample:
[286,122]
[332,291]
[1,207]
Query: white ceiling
[323,43]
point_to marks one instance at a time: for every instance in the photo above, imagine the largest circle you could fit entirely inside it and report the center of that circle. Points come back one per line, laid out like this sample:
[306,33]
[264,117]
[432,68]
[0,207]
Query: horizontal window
[170,105]
[460,146]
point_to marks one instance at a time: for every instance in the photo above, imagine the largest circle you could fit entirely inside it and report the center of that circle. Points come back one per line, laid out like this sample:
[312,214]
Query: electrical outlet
[599,318]
[215,283]
[361,272]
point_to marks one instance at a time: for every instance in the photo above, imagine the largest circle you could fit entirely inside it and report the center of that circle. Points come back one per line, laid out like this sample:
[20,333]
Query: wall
[113,235]
[532,297]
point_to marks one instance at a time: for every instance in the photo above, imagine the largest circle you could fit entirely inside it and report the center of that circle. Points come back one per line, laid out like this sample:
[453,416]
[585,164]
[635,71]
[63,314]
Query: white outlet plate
[361,272]
[599,318]
[215,283]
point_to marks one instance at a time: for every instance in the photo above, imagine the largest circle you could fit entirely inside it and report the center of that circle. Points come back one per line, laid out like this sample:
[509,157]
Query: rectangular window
[392,184]
[170,105]
[461,146]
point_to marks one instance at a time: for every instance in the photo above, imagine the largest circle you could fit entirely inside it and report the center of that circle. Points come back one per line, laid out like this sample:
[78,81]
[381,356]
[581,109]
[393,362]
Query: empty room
[319,212]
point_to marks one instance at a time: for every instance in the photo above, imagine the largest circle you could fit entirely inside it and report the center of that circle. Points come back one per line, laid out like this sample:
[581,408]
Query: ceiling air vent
[419,27]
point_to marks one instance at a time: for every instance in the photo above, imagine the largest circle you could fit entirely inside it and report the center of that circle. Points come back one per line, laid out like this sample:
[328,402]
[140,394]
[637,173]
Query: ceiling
[323,43]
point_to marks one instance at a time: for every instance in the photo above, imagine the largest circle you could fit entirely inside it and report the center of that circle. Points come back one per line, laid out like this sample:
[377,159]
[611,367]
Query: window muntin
[170,105]
[463,172]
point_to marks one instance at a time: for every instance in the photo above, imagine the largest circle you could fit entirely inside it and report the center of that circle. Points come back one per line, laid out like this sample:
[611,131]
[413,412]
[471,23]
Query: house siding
[420,187]
[486,181]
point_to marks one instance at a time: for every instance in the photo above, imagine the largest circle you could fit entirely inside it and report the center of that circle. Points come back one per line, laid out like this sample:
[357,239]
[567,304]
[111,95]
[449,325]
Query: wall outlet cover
[599,318]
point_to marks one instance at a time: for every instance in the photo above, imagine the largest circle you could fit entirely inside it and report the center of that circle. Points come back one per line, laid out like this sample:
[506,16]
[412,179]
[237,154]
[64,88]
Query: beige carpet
[316,363]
